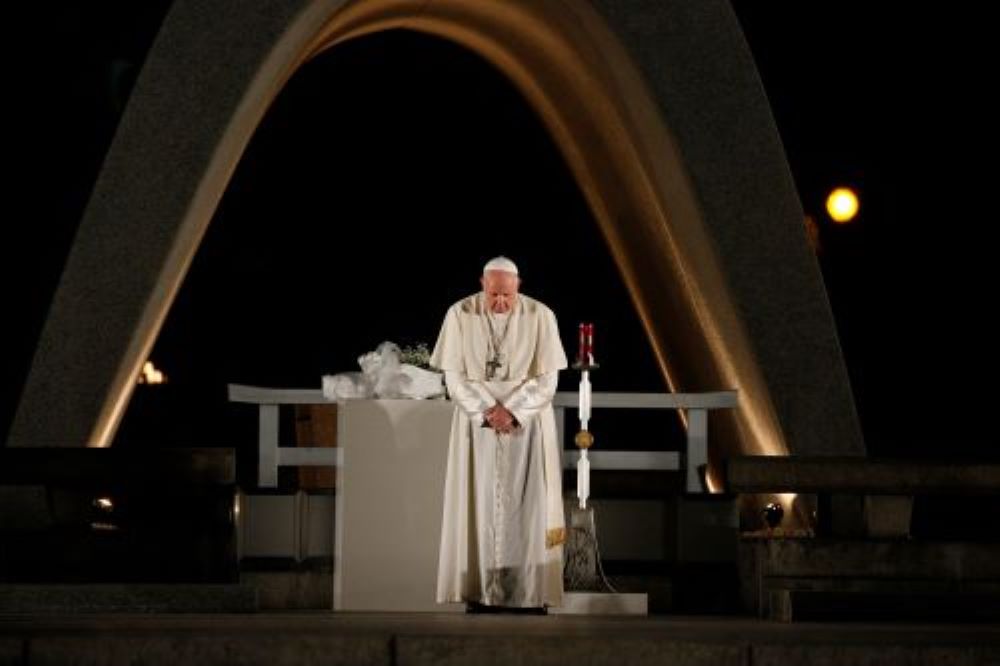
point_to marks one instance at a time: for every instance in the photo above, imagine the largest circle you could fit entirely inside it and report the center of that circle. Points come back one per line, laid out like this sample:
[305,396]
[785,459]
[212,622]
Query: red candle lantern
[585,351]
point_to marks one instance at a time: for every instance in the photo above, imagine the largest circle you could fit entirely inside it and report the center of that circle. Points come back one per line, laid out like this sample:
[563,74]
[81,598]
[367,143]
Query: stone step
[418,639]
[114,598]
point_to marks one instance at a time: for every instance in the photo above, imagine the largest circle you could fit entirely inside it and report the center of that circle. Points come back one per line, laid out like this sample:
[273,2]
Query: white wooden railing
[271,456]
[696,448]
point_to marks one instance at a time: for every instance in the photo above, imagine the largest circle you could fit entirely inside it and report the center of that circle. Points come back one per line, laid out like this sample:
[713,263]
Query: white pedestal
[602,603]
[390,498]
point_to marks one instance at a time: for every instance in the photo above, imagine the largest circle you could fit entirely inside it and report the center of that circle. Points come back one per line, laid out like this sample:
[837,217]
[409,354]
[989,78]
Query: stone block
[173,648]
[117,515]
[824,579]
[702,528]
[292,590]
[559,650]
[12,652]
[24,507]
[888,516]
[840,515]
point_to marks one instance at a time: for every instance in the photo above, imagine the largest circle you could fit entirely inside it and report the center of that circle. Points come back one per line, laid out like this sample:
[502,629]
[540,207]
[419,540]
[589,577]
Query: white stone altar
[390,495]
[392,457]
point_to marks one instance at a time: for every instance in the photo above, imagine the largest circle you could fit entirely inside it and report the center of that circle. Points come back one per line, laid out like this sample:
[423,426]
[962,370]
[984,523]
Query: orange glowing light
[842,205]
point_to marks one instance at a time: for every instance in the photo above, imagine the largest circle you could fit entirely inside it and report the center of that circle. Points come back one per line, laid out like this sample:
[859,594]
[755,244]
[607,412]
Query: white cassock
[503,527]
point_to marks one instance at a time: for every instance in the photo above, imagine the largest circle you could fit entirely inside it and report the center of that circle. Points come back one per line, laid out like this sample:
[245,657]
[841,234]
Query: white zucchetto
[500,263]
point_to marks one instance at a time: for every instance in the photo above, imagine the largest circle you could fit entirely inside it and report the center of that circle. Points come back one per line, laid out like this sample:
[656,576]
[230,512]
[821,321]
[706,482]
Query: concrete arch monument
[661,116]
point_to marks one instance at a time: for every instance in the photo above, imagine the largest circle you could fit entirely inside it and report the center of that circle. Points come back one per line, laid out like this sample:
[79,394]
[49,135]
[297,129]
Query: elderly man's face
[500,288]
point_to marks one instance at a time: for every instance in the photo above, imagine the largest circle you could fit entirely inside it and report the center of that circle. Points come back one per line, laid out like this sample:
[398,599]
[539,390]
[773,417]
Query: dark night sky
[406,137]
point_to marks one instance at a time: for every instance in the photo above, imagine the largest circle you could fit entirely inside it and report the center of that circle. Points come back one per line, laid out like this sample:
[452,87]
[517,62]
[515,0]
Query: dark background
[390,168]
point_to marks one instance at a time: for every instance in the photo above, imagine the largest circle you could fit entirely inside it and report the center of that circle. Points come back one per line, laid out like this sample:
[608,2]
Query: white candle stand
[588,590]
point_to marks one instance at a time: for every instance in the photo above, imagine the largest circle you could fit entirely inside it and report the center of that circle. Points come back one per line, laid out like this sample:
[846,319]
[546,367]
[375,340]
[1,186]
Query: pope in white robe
[503,529]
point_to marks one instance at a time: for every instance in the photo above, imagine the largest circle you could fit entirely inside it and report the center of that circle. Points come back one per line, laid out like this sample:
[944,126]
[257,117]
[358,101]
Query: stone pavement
[305,638]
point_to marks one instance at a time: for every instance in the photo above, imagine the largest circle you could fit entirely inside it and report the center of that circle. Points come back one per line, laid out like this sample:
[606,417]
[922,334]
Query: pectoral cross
[493,365]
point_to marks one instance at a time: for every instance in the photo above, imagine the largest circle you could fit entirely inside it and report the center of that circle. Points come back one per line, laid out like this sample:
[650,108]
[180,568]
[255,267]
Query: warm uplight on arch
[150,375]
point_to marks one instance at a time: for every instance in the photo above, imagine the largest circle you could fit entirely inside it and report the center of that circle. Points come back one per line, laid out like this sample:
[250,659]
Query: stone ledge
[121,598]
[821,474]
[224,648]
[957,560]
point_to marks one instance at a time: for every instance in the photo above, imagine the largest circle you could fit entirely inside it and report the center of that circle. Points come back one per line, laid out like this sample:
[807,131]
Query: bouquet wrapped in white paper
[383,376]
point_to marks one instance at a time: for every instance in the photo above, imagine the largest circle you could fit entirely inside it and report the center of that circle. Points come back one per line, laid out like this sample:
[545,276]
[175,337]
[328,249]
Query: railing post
[697,448]
[560,413]
[300,524]
[267,461]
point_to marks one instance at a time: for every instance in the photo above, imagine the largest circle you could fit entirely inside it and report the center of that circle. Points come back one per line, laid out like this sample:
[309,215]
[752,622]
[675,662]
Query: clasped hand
[500,419]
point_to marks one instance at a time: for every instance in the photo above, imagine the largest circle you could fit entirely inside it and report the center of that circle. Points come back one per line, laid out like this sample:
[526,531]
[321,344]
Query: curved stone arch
[671,140]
